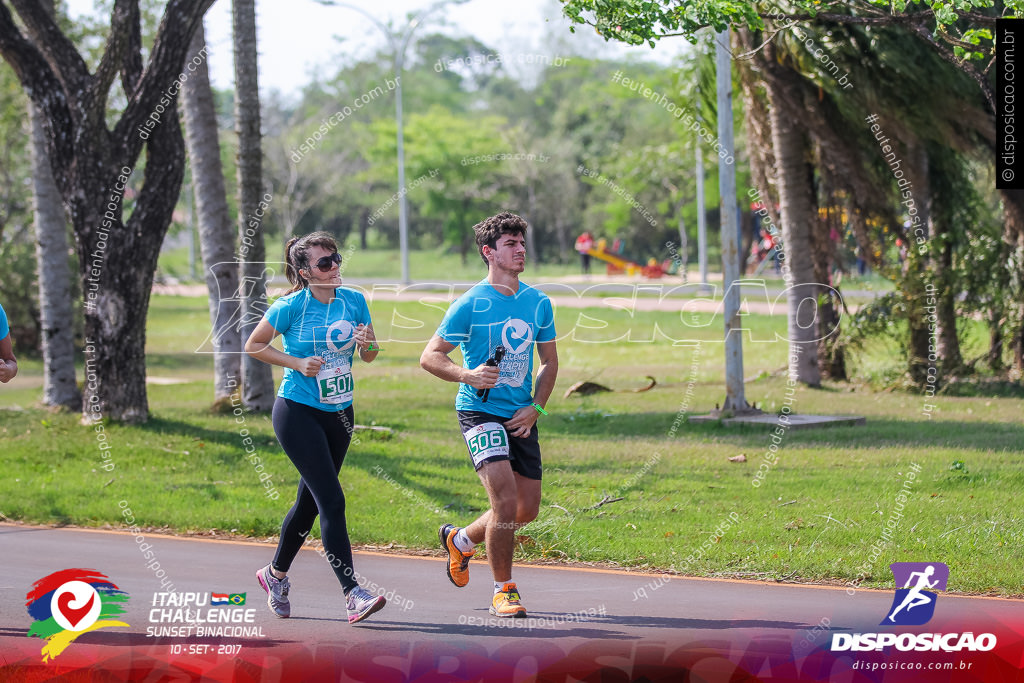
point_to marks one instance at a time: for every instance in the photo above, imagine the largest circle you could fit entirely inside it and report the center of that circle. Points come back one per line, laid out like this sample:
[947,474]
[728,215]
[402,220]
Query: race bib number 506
[486,441]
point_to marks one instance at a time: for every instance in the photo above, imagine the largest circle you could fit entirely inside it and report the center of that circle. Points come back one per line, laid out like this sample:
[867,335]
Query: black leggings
[316,442]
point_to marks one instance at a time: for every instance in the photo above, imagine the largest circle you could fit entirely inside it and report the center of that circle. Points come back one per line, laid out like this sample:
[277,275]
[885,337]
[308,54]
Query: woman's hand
[364,337]
[309,366]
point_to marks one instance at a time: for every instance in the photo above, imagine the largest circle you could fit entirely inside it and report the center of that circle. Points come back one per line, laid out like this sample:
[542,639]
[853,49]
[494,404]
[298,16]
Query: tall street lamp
[398,41]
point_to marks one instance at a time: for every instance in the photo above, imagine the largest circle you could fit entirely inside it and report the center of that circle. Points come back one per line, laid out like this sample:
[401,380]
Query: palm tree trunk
[257,381]
[216,236]
[59,388]
[798,219]
[52,250]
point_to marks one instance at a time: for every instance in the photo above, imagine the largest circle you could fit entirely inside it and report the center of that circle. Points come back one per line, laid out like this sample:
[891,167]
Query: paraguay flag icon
[71,602]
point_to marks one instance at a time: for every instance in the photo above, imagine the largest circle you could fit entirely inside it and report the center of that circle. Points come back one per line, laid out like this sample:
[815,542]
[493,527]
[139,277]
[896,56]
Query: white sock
[498,585]
[462,541]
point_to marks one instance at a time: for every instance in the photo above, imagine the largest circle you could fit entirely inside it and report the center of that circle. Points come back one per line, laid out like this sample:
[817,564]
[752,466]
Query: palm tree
[257,381]
[216,236]
[59,388]
[799,217]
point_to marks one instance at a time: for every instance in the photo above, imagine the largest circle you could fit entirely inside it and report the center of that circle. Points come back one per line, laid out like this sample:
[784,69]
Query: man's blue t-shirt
[484,318]
[5,329]
[312,328]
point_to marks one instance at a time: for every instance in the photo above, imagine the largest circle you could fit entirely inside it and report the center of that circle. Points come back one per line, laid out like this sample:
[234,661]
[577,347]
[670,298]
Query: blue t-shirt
[5,329]
[312,328]
[483,318]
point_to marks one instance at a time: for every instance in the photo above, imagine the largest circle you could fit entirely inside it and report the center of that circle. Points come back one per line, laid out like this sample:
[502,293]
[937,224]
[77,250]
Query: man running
[496,405]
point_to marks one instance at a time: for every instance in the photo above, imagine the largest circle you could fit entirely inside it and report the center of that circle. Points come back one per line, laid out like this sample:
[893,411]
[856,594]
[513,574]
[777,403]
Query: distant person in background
[584,243]
[8,363]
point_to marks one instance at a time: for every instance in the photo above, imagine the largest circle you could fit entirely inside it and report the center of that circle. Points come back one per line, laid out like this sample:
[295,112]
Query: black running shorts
[488,441]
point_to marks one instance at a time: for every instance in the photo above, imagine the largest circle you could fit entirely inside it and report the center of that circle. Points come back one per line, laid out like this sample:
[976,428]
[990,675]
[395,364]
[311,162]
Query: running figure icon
[916,598]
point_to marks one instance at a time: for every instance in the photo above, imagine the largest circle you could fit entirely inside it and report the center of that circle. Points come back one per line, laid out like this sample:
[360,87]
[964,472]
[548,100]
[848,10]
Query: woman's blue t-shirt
[311,328]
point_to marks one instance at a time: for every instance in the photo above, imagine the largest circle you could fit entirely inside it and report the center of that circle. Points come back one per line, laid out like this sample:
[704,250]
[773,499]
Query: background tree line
[802,141]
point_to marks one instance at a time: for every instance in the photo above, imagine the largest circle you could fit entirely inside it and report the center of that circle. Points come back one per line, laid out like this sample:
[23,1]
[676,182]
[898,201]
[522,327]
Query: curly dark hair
[296,256]
[490,230]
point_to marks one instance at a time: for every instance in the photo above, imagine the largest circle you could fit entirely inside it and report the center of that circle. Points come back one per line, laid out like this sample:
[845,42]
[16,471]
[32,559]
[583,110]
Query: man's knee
[504,508]
[527,514]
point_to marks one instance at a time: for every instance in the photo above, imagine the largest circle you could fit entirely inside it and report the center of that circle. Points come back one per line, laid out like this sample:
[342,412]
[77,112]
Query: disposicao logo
[914,605]
[71,602]
[916,577]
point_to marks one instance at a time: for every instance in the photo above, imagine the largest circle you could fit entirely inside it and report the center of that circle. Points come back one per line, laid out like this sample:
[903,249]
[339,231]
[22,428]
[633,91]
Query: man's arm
[523,420]
[435,360]
[547,372]
[8,363]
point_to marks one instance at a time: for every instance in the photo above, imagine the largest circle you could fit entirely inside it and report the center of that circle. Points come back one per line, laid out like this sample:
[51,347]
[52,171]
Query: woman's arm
[8,363]
[258,346]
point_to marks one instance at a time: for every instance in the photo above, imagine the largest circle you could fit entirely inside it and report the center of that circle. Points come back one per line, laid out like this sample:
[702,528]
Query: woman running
[322,325]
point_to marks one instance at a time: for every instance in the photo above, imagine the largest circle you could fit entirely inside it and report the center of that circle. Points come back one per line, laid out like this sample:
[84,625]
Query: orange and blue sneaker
[458,561]
[506,602]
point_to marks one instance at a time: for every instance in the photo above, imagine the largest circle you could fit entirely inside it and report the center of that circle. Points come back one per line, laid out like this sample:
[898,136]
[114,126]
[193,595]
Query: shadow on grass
[985,388]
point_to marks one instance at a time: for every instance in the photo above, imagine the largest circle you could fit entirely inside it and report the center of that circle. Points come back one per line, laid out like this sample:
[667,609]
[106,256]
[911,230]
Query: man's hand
[7,371]
[482,376]
[522,421]
[309,366]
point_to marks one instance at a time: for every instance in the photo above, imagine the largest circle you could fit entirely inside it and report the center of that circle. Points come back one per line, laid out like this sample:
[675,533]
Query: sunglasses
[325,263]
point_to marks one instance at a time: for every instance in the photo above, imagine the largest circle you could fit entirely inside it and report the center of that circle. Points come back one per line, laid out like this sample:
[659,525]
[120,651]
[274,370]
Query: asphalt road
[584,624]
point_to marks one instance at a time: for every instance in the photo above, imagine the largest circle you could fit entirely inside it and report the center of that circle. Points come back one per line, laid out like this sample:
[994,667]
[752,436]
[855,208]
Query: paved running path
[582,621]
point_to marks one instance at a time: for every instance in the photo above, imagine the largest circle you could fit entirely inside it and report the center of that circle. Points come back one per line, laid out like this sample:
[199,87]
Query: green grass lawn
[685,506]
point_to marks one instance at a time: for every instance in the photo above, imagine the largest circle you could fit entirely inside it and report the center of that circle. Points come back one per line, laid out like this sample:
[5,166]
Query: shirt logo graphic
[516,336]
[339,336]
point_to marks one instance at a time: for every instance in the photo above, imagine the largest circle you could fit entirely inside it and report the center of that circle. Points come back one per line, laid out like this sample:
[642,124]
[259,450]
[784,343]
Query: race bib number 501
[486,441]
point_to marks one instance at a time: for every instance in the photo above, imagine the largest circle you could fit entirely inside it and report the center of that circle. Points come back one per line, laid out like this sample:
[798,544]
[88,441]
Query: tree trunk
[52,250]
[797,220]
[216,233]
[533,242]
[364,218]
[1013,237]
[92,166]
[831,358]
[257,380]
[916,280]
[945,327]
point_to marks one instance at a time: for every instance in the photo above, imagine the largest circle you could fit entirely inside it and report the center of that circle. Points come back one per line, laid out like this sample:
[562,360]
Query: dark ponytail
[296,256]
[291,270]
